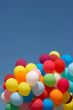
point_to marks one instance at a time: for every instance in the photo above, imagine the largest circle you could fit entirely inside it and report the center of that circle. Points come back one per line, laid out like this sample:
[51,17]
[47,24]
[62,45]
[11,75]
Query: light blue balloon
[48,104]
[71,87]
[40,67]
[70,69]
[16,99]
[38,88]
[67,59]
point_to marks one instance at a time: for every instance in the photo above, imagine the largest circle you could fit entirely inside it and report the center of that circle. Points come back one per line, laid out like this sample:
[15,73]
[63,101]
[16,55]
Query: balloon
[25,106]
[8,107]
[66,97]
[30,67]
[70,69]
[67,59]
[3,98]
[55,53]
[12,84]
[48,104]
[24,89]
[37,71]
[57,96]
[38,88]
[49,66]
[21,62]
[49,89]
[49,80]
[20,73]
[8,76]
[53,57]
[43,58]
[63,85]
[40,67]
[16,99]
[37,105]
[32,78]
[4,86]
[7,95]
[68,106]
[71,87]
[59,65]
[28,98]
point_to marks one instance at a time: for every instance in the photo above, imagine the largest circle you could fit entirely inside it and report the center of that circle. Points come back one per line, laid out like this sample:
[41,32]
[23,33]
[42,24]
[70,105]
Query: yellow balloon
[55,52]
[24,89]
[30,67]
[66,97]
[68,106]
[20,74]
[12,84]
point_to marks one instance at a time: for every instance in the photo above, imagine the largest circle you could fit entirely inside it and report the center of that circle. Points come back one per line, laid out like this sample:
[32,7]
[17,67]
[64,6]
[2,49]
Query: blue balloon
[28,98]
[16,99]
[71,87]
[67,59]
[48,104]
[40,67]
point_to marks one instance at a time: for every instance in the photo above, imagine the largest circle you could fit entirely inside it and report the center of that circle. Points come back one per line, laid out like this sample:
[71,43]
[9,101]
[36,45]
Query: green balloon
[13,107]
[49,80]
[8,107]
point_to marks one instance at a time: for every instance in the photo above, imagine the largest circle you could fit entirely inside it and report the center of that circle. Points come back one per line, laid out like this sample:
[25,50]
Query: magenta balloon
[21,62]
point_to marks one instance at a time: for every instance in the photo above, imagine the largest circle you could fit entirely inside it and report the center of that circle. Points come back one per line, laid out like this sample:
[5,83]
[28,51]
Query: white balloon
[32,78]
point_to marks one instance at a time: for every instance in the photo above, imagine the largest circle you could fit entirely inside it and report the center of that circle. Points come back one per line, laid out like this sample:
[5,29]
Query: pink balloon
[25,106]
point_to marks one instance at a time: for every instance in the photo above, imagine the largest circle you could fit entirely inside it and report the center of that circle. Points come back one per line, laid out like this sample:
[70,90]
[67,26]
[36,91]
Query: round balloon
[57,96]
[8,76]
[32,78]
[59,65]
[24,89]
[53,57]
[12,84]
[68,106]
[63,85]
[20,73]
[49,66]
[48,104]
[66,97]
[70,69]
[70,87]
[55,53]
[21,62]
[49,80]
[67,59]
[37,105]
[30,67]
[16,99]
[8,107]
[37,71]
[38,88]
[43,58]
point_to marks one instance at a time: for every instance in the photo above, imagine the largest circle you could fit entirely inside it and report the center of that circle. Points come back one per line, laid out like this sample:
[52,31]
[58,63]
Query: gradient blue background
[29,28]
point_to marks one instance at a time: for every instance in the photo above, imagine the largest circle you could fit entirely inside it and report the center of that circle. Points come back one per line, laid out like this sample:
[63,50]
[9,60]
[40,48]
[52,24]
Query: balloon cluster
[47,85]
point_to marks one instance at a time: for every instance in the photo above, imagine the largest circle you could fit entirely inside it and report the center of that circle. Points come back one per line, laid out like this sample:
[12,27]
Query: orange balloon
[20,74]
[56,96]
[41,78]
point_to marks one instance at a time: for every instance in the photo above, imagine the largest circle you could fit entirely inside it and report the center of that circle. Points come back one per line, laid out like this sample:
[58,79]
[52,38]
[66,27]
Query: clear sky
[29,28]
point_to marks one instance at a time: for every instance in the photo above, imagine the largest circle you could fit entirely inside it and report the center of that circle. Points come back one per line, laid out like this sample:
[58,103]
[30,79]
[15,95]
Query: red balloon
[43,58]
[44,95]
[21,62]
[49,66]
[8,76]
[63,85]
[53,57]
[37,104]
[59,65]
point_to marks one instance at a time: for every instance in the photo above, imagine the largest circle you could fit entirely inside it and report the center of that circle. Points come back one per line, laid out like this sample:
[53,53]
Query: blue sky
[29,28]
